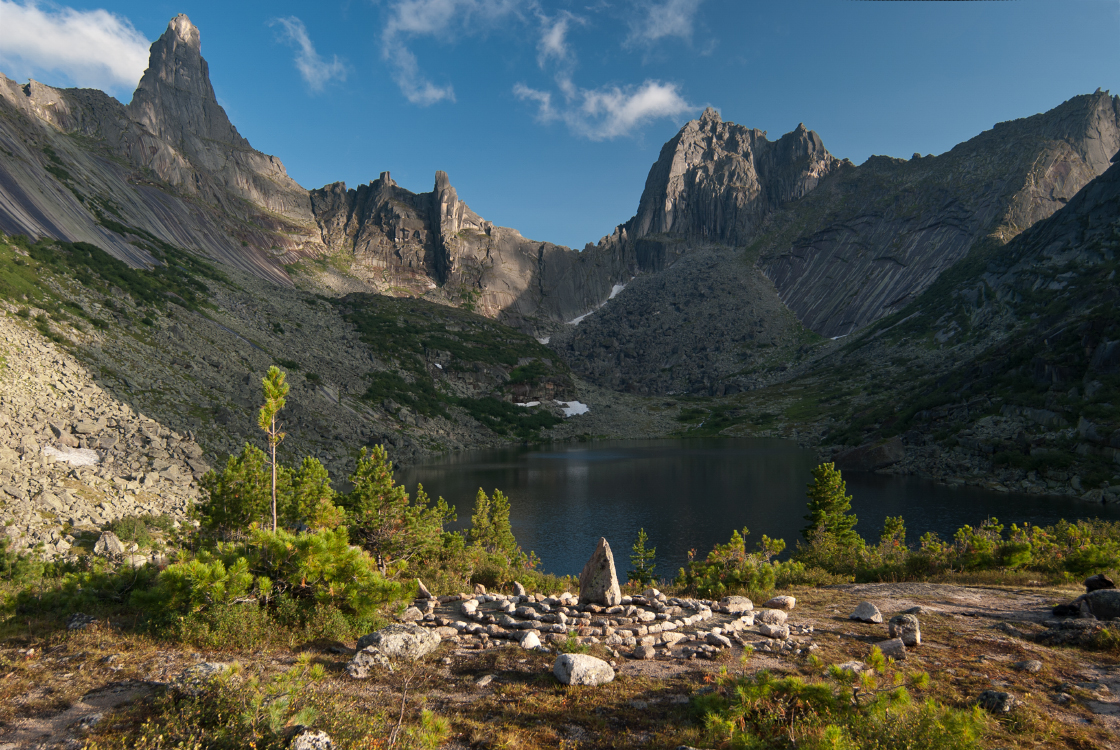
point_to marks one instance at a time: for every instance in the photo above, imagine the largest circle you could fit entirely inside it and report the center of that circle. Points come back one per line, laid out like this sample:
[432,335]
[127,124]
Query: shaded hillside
[871,238]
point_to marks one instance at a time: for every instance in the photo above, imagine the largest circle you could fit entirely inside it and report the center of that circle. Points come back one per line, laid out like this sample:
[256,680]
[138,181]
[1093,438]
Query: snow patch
[527,403]
[575,321]
[544,339]
[73,456]
[615,290]
[572,408]
[439,365]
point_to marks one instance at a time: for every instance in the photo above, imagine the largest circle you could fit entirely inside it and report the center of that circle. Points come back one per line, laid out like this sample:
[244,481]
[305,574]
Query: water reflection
[691,494]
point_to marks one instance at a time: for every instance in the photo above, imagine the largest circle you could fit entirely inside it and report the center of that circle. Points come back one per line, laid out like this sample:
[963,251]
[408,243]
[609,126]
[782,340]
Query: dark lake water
[691,494]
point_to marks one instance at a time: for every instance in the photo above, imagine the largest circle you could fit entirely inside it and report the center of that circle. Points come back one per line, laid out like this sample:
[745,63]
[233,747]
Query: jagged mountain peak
[718,180]
[175,99]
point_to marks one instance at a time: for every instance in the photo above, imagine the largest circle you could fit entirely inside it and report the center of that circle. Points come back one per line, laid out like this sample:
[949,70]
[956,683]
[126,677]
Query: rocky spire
[175,100]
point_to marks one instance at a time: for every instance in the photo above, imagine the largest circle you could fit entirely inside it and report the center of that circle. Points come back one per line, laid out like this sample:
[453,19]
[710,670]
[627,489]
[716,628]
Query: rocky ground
[974,639]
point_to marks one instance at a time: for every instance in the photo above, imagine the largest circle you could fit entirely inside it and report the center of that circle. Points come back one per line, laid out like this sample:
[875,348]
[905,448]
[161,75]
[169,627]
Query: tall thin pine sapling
[275,392]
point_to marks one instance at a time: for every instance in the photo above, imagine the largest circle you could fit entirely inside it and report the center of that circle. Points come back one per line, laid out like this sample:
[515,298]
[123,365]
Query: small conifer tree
[829,517]
[275,393]
[643,561]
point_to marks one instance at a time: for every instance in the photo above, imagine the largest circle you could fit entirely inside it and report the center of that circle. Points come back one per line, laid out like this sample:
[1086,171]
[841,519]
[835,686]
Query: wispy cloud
[316,71]
[607,112]
[653,21]
[409,19]
[92,48]
[553,44]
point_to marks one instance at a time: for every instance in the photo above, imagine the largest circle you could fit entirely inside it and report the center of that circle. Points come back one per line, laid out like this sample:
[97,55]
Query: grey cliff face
[718,181]
[881,233]
[147,160]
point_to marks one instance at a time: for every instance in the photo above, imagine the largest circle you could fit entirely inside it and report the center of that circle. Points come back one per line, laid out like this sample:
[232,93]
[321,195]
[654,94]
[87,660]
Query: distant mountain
[82,166]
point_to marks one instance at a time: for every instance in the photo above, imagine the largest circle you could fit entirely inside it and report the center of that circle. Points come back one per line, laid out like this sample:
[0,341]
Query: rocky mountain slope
[80,166]
[873,237]
[836,244]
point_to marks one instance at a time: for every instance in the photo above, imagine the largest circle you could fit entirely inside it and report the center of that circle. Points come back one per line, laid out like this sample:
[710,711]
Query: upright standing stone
[598,583]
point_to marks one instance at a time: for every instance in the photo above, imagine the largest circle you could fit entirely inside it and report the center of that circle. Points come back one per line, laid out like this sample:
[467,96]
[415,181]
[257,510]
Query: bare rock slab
[581,669]
[598,583]
[866,612]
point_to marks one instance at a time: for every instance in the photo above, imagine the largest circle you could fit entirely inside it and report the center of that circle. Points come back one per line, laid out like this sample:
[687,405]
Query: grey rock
[581,669]
[108,545]
[717,639]
[1104,604]
[771,616]
[779,632]
[80,621]
[1098,582]
[530,639]
[519,590]
[422,590]
[781,602]
[996,702]
[412,614]
[907,628]
[893,649]
[736,604]
[401,642]
[310,739]
[598,582]
[1030,665]
[866,612]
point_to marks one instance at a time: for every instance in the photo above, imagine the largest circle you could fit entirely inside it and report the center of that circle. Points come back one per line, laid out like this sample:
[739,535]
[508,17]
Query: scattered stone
[914,611]
[80,621]
[108,545]
[310,739]
[907,628]
[779,632]
[735,605]
[996,702]
[770,617]
[781,602]
[1098,582]
[893,649]
[519,590]
[644,651]
[484,680]
[530,639]
[852,666]
[1030,665]
[479,589]
[412,614]
[718,639]
[866,612]
[598,582]
[581,669]
[422,590]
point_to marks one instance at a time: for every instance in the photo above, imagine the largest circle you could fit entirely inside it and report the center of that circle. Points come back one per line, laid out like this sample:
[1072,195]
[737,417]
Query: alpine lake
[691,495]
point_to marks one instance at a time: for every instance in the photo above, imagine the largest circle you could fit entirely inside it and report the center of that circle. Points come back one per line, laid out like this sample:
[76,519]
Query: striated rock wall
[170,163]
[871,238]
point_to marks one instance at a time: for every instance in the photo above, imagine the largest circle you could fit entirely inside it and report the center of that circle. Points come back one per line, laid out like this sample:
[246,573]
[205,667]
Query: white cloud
[316,71]
[553,44]
[610,111]
[92,48]
[654,21]
[439,19]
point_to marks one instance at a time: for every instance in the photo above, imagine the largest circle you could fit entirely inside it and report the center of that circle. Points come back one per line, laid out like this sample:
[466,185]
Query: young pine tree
[829,517]
[275,393]
[491,530]
[643,560]
[383,521]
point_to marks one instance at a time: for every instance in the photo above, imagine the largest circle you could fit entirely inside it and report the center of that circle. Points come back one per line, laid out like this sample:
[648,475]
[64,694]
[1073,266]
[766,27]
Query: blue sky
[548,115]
